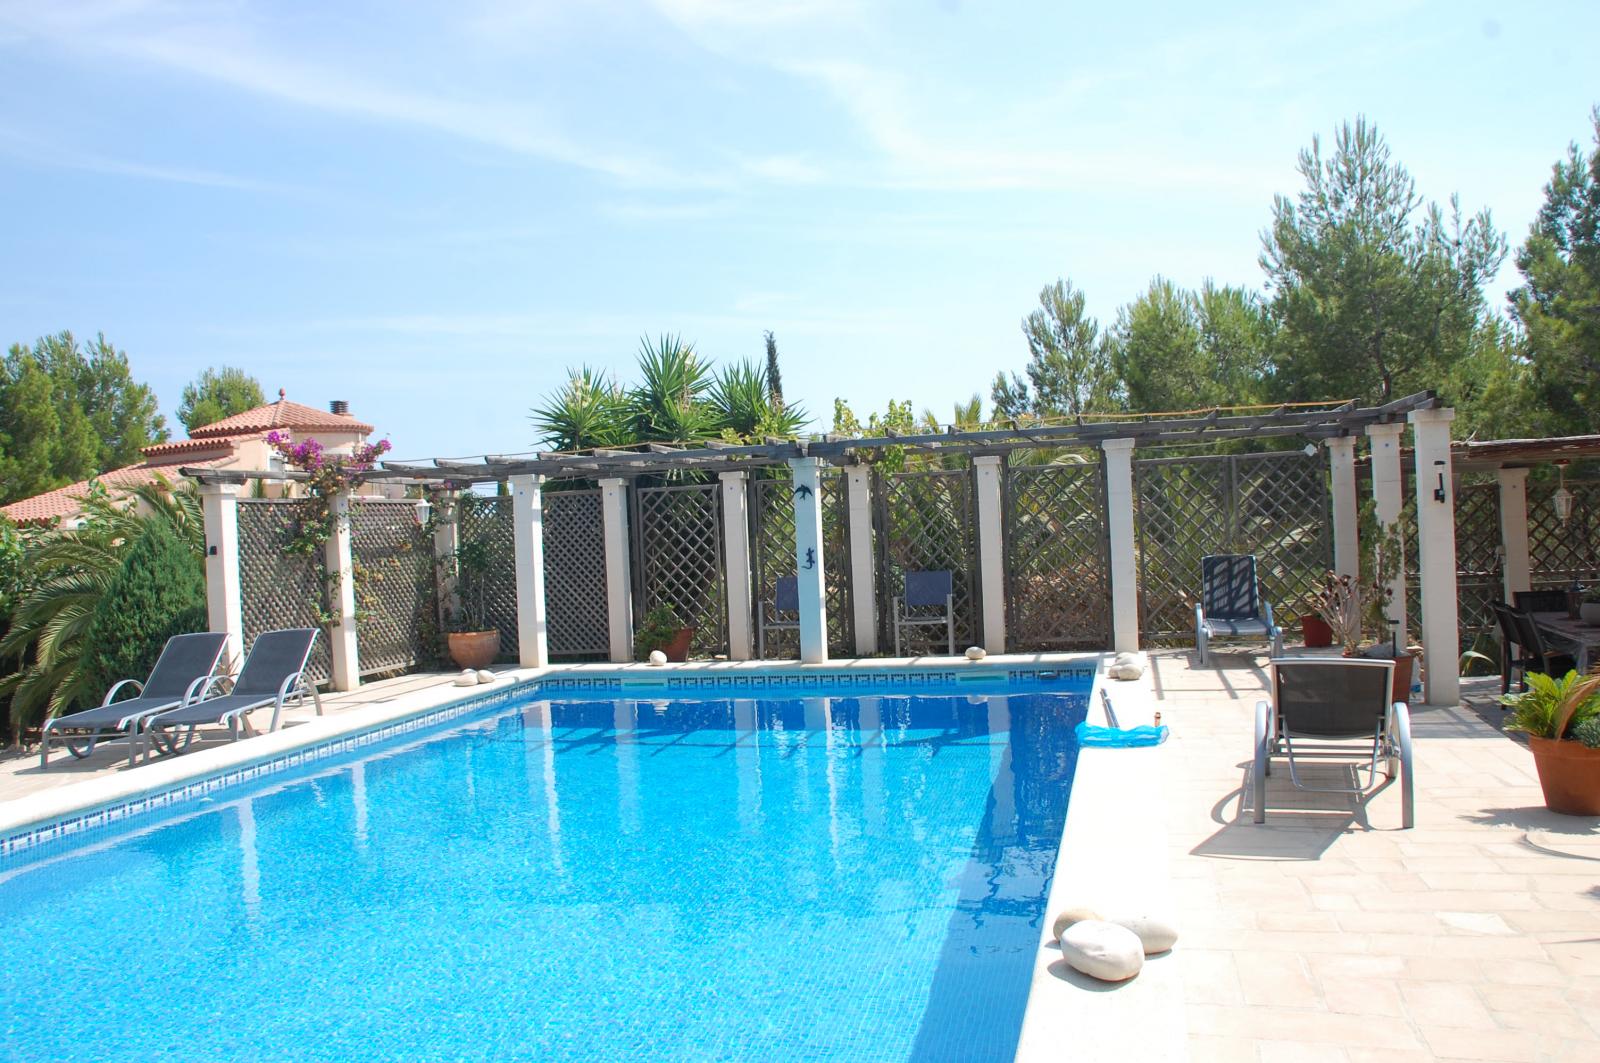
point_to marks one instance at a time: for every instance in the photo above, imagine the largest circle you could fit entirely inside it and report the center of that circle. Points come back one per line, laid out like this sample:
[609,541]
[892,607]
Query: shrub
[1588,732]
[159,591]
[1550,706]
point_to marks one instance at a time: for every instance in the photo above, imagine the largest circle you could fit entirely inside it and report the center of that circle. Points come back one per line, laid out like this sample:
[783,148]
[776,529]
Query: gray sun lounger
[273,674]
[186,663]
[1318,705]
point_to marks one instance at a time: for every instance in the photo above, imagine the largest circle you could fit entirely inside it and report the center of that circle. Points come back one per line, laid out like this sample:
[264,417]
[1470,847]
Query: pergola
[1337,426]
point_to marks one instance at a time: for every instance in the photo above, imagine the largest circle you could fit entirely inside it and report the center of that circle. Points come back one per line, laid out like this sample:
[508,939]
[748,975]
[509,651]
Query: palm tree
[70,569]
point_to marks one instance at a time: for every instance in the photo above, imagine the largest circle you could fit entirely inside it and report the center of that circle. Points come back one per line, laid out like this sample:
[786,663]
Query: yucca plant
[745,405]
[669,405]
[1550,707]
[589,411]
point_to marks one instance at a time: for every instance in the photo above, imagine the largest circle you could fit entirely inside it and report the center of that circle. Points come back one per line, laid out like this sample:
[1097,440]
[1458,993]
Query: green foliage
[1559,303]
[159,591]
[774,377]
[658,628]
[1375,295]
[589,411]
[474,561]
[742,399]
[218,393]
[1588,732]
[1550,706]
[1179,350]
[896,418]
[1069,369]
[67,413]
[669,405]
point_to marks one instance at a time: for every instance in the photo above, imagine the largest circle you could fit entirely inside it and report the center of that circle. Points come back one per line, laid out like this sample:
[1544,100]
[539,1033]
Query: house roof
[65,501]
[281,414]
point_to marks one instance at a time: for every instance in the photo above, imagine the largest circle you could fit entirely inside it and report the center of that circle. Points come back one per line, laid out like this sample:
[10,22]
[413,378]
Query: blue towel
[1118,738]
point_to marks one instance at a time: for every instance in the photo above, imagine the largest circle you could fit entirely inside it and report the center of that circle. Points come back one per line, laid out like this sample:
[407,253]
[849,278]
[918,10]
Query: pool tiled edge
[70,814]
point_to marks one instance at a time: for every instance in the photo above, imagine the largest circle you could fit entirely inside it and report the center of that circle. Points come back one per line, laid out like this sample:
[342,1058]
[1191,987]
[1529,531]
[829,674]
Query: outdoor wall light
[1562,499]
[1438,492]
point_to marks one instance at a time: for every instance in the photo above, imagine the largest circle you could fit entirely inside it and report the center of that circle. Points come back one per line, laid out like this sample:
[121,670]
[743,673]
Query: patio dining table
[1583,638]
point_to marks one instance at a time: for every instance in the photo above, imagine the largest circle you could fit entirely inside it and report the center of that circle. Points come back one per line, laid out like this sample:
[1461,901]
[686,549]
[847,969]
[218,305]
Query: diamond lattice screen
[278,589]
[393,554]
[1478,567]
[678,553]
[488,520]
[1274,506]
[926,524]
[1560,553]
[575,573]
[1057,590]
[772,524]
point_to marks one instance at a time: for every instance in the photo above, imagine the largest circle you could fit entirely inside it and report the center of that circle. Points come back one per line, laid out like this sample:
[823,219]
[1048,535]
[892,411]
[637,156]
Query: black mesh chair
[1231,606]
[1535,655]
[1540,601]
[1319,706]
[929,601]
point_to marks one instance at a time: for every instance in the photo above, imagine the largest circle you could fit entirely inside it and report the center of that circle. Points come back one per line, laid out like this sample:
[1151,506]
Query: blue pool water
[851,878]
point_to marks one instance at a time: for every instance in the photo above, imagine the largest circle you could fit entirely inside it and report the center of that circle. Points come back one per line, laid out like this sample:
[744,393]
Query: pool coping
[95,804]
[1113,857]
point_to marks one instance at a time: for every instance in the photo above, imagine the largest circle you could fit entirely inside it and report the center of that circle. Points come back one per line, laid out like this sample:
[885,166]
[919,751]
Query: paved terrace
[1329,933]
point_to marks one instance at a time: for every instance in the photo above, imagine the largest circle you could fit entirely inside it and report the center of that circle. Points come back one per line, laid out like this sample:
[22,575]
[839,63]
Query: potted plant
[662,630]
[1589,611]
[1316,631]
[1561,718]
[473,641]
[1356,608]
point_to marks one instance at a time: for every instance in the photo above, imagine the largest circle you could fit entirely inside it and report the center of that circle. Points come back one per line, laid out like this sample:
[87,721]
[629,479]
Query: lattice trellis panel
[1479,579]
[1561,553]
[1058,592]
[575,573]
[772,539]
[1274,506]
[488,520]
[926,524]
[395,583]
[678,555]
[278,589]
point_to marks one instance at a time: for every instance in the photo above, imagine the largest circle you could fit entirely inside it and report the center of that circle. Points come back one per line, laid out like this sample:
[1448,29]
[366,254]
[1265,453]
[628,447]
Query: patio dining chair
[1319,706]
[186,664]
[929,601]
[1231,606]
[273,674]
[1535,655]
[780,614]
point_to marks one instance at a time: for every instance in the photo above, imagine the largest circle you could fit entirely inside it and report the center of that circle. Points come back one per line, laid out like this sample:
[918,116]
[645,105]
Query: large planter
[1569,774]
[474,649]
[1316,631]
[678,648]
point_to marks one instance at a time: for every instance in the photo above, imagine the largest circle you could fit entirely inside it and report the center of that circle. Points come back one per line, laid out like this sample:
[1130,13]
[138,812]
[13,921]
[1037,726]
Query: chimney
[339,407]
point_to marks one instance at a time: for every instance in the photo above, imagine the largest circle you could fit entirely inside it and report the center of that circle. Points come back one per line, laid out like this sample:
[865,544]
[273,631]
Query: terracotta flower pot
[1316,631]
[1569,774]
[474,649]
[678,648]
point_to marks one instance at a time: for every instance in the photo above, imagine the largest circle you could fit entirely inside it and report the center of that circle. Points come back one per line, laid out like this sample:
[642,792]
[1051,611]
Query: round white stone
[1127,657]
[657,658]
[1125,671]
[1154,933]
[467,678]
[976,653]
[1067,916]
[1102,950]
[485,676]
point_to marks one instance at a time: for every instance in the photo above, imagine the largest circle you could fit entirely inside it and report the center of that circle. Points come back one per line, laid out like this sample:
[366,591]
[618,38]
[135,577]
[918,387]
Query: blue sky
[434,210]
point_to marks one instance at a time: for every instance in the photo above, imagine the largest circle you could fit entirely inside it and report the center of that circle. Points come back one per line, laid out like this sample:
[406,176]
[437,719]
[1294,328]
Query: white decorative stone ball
[467,678]
[1067,916]
[1103,950]
[486,676]
[657,658]
[1127,657]
[976,653]
[1125,671]
[1154,933]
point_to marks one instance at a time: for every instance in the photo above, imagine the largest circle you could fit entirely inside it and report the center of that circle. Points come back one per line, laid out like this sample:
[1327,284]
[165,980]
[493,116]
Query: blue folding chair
[929,600]
[774,615]
[1230,605]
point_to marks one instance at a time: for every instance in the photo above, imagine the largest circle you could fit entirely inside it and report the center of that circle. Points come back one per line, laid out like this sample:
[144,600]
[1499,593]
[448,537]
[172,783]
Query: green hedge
[159,592]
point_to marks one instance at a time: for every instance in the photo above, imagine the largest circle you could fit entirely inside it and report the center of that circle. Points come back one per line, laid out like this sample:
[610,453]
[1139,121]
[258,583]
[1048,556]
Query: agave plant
[69,570]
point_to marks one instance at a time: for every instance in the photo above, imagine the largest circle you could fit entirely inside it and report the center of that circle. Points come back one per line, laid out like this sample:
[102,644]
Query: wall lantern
[1439,494]
[1562,499]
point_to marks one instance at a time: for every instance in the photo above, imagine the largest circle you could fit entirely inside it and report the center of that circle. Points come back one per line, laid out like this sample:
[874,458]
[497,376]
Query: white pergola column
[219,503]
[527,529]
[863,565]
[736,555]
[1119,526]
[1388,486]
[1518,569]
[991,551]
[808,560]
[619,567]
[1346,510]
[343,640]
[1436,554]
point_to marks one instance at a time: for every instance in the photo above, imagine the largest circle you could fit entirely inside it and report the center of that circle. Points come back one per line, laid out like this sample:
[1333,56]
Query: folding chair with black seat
[929,601]
[780,614]
[1535,654]
[1231,605]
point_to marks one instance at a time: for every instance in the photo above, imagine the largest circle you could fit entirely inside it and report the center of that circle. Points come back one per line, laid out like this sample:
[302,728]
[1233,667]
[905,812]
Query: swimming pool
[664,875]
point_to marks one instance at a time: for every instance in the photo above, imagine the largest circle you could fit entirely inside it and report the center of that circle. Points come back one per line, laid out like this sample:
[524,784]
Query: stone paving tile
[1474,936]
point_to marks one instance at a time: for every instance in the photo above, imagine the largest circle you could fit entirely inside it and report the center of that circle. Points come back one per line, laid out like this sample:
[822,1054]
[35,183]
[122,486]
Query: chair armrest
[111,695]
[286,687]
[1199,616]
[1266,611]
[209,681]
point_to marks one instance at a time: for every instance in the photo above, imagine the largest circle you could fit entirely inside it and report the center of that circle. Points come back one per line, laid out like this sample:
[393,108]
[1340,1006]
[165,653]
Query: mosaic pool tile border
[75,827]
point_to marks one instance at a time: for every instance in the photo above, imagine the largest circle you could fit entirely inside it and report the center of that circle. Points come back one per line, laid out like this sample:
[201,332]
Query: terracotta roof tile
[65,501]
[281,414]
